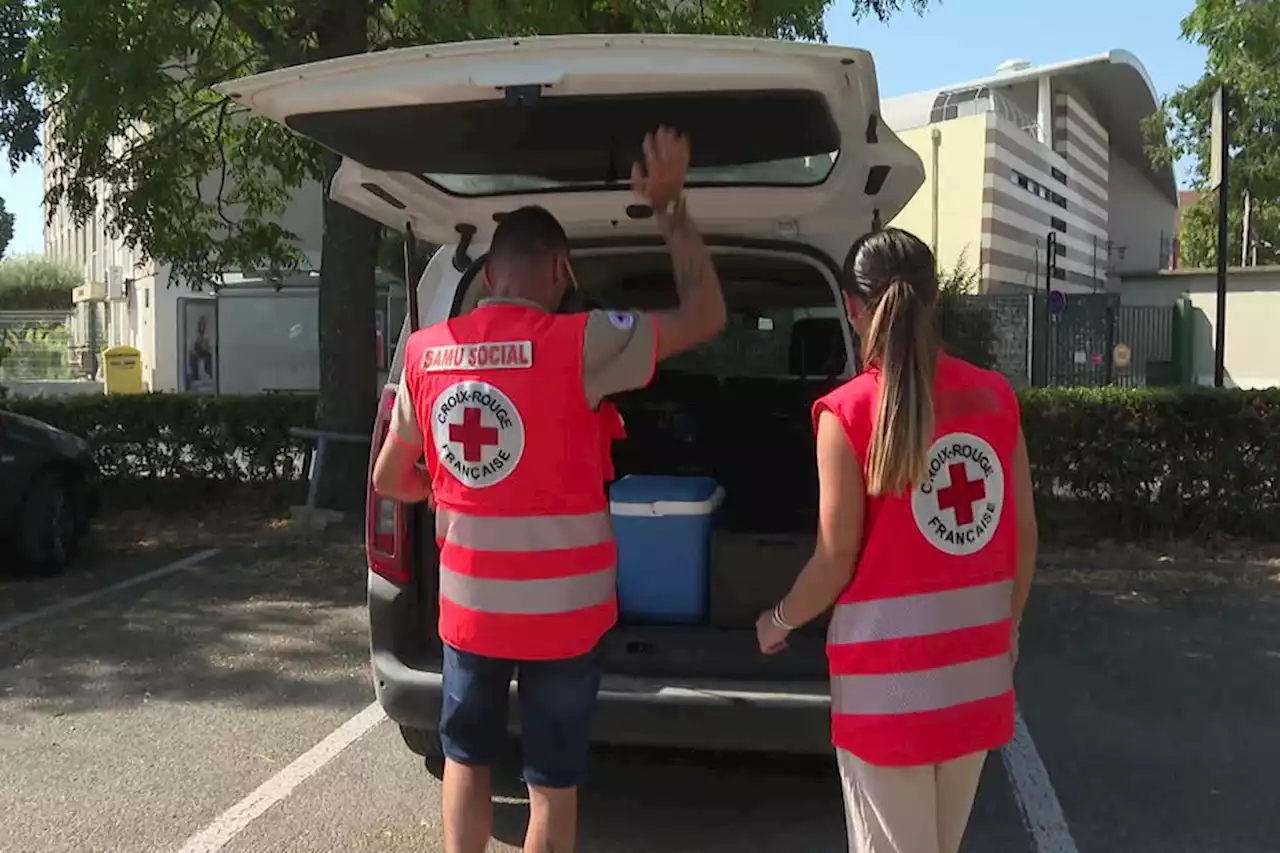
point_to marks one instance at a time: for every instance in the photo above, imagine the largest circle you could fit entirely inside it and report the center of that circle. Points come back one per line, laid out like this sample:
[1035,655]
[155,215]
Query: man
[503,401]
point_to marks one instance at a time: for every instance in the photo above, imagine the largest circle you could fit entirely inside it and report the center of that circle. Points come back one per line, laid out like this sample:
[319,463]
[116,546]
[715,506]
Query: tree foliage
[6,228]
[122,87]
[1198,240]
[1242,43]
[36,283]
[965,322]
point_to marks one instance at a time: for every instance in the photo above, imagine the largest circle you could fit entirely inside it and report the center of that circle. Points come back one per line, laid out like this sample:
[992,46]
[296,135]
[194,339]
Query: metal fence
[1151,336]
[969,322]
[37,345]
[1092,340]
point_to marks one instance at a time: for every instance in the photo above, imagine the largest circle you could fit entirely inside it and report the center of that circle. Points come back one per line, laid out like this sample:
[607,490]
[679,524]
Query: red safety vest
[528,562]
[612,428]
[919,642]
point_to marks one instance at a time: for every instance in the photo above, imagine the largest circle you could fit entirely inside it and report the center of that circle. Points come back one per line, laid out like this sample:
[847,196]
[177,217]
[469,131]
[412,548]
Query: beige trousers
[908,809]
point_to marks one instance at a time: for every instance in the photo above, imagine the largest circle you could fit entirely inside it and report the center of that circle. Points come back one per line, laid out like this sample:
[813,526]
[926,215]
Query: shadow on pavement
[1153,696]
[129,542]
[279,623]
[643,800]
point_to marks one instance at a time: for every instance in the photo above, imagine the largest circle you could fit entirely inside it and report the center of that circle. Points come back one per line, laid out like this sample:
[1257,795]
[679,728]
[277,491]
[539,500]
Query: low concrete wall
[1252,358]
[53,387]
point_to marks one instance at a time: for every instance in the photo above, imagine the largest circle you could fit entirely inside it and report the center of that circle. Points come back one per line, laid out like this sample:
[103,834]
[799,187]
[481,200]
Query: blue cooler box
[663,527]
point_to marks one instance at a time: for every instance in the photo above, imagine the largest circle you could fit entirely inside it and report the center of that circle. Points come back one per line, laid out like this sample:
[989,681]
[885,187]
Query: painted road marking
[75,601]
[1037,801]
[233,821]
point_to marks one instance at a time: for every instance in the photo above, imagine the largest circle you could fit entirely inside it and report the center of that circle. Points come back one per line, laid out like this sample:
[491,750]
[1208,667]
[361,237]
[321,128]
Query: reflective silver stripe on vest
[921,615]
[529,597]
[923,690]
[523,533]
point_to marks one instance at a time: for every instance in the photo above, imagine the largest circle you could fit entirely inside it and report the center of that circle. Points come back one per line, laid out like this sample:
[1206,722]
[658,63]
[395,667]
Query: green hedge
[185,444]
[1168,463]
[1107,463]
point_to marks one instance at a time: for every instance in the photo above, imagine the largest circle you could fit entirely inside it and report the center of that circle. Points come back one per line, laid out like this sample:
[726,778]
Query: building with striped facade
[1031,152]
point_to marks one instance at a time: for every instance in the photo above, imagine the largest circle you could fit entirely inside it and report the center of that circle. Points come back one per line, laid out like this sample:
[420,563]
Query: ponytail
[901,342]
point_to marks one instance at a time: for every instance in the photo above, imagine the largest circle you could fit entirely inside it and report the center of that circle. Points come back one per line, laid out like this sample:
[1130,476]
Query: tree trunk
[348,254]
[348,369]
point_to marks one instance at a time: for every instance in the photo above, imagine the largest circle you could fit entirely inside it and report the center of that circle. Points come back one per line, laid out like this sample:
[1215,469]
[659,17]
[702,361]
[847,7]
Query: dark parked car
[49,492]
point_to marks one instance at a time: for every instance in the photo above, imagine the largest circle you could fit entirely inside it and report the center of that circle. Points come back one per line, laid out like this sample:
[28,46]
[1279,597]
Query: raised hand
[660,180]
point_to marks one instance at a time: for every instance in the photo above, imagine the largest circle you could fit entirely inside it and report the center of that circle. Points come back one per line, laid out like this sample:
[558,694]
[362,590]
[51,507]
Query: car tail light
[386,532]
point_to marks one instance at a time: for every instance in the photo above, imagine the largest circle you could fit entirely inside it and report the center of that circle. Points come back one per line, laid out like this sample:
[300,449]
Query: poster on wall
[198,345]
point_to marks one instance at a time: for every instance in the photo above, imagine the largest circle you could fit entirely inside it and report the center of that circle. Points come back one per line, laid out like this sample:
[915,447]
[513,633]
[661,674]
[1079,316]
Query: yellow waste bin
[122,370]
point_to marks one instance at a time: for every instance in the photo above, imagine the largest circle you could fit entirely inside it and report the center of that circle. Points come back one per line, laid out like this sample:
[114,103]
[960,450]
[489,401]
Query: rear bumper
[701,714]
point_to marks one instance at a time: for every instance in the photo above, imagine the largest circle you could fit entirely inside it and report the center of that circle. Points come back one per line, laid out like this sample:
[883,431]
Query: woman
[926,545]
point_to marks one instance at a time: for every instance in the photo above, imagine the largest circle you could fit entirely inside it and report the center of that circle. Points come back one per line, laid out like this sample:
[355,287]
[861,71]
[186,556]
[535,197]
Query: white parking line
[1041,812]
[233,821]
[75,601]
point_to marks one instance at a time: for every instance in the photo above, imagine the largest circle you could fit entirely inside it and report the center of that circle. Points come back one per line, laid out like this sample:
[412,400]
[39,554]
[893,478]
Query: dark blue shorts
[557,698]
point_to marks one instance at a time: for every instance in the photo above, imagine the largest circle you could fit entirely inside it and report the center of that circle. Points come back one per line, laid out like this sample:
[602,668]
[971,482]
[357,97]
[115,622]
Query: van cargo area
[736,410]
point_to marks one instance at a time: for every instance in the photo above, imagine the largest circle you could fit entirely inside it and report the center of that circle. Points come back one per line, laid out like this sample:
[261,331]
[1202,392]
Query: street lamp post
[1221,152]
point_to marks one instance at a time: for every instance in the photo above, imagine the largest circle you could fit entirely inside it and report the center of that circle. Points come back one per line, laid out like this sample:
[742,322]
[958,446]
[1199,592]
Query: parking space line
[233,821]
[1037,801]
[75,601]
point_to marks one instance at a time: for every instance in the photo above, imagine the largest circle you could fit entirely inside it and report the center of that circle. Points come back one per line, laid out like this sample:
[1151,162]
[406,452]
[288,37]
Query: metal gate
[1147,334]
[1094,341]
[1081,340]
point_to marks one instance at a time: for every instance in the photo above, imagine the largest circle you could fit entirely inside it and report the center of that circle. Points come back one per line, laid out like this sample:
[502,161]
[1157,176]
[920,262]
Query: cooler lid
[658,495]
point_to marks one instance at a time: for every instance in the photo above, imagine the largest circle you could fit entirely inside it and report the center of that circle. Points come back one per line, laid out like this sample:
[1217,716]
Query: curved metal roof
[1115,83]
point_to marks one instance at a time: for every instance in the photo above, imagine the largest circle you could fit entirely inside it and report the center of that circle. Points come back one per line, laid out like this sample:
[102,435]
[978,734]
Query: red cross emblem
[473,435]
[962,494]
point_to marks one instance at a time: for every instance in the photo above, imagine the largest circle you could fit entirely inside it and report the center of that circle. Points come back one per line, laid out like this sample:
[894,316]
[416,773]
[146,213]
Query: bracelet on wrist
[780,619]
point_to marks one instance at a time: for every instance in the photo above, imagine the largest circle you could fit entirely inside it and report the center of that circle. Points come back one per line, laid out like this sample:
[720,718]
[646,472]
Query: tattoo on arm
[689,255]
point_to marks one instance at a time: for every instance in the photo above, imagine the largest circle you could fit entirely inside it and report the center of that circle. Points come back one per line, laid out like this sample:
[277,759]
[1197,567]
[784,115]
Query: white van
[791,164]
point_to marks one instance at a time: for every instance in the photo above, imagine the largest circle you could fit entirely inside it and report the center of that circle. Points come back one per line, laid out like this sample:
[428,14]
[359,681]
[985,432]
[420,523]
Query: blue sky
[974,36]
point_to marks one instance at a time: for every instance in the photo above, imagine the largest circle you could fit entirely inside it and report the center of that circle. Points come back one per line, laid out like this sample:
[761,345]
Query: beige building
[135,302]
[1031,152]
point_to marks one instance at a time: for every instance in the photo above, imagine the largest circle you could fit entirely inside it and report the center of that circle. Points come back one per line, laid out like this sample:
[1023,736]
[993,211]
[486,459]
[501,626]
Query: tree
[1242,43]
[965,323]
[6,228]
[199,185]
[1198,240]
[37,283]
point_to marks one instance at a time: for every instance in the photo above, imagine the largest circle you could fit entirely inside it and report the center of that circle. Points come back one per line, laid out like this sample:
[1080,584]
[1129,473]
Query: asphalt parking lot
[225,705]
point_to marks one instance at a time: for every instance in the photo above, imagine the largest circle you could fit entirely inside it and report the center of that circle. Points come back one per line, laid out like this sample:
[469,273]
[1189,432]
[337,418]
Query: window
[1059,273]
[795,172]
[949,105]
[1058,224]
[1059,249]
[1059,175]
[1039,190]
[760,345]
